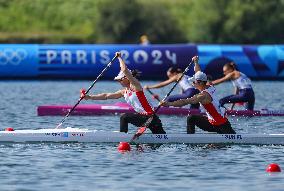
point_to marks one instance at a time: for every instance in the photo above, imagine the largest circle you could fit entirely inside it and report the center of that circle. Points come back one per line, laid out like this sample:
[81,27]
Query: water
[100,167]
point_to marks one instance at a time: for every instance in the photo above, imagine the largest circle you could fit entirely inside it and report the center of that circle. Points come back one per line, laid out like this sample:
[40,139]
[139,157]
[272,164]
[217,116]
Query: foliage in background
[124,21]
[48,20]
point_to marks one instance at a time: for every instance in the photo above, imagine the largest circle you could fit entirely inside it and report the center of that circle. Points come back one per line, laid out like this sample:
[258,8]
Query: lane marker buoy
[123,147]
[9,129]
[273,167]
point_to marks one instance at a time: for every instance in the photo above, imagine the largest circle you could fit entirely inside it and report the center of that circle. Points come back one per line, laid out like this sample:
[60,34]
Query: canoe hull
[94,136]
[118,108]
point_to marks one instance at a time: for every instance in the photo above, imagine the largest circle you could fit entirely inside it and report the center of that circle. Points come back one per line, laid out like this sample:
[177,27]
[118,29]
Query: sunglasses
[196,82]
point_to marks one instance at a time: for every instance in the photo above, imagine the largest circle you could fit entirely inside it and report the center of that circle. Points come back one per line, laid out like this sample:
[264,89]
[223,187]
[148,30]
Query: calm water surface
[101,167]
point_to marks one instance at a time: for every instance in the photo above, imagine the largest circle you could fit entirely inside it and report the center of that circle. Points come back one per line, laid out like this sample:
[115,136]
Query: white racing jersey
[138,101]
[185,83]
[215,113]
[243,82]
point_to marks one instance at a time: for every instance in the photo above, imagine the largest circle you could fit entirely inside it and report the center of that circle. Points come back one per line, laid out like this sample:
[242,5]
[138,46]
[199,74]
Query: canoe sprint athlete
[242,84]
[134,96]
[188,90]
[215,120]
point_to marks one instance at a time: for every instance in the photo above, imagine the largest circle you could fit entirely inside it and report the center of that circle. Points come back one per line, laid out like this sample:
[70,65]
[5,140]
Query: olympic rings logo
[13,57]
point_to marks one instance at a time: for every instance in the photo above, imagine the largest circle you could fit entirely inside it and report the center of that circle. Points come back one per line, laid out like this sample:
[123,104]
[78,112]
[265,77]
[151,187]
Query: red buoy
[273,167]
[9,129]
[123,147]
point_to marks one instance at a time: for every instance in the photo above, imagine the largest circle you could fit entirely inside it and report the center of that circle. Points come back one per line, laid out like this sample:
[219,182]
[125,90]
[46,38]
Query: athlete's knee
[226,129]
[157,120]
[157,128]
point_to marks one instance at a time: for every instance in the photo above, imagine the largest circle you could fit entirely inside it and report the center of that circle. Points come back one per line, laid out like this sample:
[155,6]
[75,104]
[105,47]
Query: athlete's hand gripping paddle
[142,129]
[85,93]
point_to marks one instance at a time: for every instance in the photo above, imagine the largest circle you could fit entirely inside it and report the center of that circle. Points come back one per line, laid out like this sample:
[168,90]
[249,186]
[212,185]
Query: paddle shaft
[82,97]
[154,95]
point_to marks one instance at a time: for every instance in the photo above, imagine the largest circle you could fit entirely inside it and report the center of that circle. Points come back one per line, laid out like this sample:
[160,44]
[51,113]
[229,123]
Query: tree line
[124,21]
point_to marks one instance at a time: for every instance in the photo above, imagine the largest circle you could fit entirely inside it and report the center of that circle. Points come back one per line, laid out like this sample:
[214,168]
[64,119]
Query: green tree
[206,21]
[125,21]
[160,25]
[254,21]
[236,21]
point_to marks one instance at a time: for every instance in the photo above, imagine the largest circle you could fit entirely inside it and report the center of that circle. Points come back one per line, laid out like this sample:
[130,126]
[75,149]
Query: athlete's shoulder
[236,74]
[203,97]
[208,93]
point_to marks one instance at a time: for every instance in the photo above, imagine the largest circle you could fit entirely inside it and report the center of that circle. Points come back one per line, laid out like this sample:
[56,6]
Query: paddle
[155,96]
[83,95]
[142,129]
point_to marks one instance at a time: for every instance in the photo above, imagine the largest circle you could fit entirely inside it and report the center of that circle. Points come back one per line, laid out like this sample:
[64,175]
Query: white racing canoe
[95,136]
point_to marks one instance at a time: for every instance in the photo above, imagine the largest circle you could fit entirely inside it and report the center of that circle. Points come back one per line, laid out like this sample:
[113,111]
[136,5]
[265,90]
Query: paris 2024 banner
[87,61]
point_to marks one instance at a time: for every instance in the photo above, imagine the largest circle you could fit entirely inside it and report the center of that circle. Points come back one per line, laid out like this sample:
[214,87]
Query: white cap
[200,76]
[120,76]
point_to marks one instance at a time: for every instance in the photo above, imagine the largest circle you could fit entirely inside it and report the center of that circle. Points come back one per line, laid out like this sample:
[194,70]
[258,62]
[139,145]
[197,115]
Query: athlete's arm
[225,78]
[104,96]
[197,68]
[133,81]
[182,102]
[162,84]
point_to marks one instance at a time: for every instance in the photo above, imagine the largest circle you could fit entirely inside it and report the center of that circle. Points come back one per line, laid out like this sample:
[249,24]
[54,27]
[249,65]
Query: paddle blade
[140,131]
